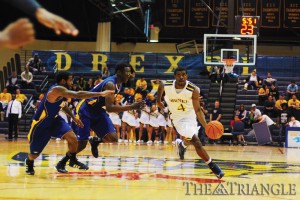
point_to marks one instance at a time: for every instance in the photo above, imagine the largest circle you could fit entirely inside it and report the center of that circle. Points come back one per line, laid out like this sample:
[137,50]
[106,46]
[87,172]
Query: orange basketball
[214,130]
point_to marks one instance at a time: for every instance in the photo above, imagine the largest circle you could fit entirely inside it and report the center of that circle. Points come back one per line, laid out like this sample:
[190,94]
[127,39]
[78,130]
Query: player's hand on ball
[78,122]
[107,92]
[138,105]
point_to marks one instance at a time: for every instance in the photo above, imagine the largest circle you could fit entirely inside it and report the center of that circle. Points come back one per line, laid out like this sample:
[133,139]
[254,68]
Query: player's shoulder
[168,82]
[191,86]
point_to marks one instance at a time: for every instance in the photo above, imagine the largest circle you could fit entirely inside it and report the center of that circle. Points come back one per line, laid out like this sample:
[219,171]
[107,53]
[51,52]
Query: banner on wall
[270,13]
[87,62]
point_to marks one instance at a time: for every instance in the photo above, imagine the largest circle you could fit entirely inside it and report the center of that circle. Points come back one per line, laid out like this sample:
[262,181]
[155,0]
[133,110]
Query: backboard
[218,47]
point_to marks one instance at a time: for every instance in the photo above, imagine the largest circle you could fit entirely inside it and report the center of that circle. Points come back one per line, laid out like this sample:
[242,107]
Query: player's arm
[197,107]
[160,91]
[60,91]
[67,110]
[111,107]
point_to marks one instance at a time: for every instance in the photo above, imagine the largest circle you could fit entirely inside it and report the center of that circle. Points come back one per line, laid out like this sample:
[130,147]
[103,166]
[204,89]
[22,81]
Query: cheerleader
[153,125]
[115,118]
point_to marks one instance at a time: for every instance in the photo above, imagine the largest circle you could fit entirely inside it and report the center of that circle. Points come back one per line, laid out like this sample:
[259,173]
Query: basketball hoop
[229,62]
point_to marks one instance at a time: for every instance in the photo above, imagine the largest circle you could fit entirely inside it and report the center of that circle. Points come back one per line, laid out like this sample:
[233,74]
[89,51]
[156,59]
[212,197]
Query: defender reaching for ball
[182,99]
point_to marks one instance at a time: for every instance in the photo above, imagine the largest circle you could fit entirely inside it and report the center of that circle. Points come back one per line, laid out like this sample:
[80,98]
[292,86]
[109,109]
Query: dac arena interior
[156,37]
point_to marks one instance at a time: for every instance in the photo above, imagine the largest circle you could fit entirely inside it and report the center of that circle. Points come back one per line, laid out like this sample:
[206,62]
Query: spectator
[279,102]
[12,82]
[89,85]
[292,89]
[274,92]
[242,114]
[141,86]
[35,64]
[26,82]
[216,113]
[13,113]
[240,137]
[270,123]
[75,87]
[252,80]
[269,107]
[294,122]
[269,80]
[81,83]
[154,84]
[296,111]
[263,93]
[256,112]
[5,97]
[98,80]
[292,102]
[282,120]
[105,73]
[20,97]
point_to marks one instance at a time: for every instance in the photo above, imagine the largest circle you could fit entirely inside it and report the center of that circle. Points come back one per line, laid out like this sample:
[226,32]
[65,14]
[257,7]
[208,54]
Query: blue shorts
[41,132]
[101,126]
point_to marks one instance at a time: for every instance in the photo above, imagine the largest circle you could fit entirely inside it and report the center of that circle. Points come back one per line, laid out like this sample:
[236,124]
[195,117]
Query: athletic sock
[209,161]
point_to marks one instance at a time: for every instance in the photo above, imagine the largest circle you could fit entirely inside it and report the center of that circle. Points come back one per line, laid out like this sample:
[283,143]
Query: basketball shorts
[41,132]
[102,125]
[186,127]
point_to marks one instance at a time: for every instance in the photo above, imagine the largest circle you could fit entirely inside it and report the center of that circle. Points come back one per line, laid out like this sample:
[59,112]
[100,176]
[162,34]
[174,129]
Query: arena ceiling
[128,26]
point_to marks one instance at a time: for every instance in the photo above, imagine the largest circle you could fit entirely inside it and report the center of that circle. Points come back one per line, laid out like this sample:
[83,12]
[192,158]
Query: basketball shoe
[216,170]
[76,164]
[29,166]
[61,167]
[94,141]
[180,149]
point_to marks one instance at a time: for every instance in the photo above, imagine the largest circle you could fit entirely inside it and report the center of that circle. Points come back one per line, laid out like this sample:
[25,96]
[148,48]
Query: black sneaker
[29,167]
[76,164]
[216,170]
[94,146]
[61,167]
[181,150]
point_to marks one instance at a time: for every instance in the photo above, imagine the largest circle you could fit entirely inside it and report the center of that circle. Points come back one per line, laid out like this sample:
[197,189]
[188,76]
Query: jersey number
[181,107]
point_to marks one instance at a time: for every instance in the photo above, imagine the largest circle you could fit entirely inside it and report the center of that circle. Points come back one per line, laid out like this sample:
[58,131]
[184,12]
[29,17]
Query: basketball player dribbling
[47,123]
[182,100]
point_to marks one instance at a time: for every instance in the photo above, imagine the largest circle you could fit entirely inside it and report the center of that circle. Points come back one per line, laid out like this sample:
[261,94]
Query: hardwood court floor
[151,172]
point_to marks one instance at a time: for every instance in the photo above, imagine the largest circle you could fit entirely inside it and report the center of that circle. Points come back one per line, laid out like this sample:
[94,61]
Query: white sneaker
[149,142]
[125,141]
[58,139]
[139,141]
[134,141]
[130,141]
[173,143]
[120,140]
[166,142]
[155,142]
[159,142]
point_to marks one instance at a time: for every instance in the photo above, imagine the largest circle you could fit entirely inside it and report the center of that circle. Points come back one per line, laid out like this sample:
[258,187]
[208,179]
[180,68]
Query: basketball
[214,130]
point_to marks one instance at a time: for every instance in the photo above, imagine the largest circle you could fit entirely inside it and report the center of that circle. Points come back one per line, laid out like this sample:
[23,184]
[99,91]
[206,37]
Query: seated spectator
[269,80]
[294,122]
[35,64]
[279,102]
[263,93]
[81,83]
[12,82]
[296,111]
[5,97]
[98,80]
[274,92]
[292,102]
[256,112]
[252,80]
[20,97]
[26,82]
[75,87]
[292,89]
[105,73]
[154,84]
[240,137]
[89,85]
[241,112]
[269,107]
[141,86]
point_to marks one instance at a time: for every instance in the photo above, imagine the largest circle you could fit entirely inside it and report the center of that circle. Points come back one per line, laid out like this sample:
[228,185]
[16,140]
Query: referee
[13,113]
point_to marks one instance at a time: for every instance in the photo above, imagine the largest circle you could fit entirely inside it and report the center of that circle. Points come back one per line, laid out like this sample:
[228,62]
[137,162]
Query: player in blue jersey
[47,123]
[92,112]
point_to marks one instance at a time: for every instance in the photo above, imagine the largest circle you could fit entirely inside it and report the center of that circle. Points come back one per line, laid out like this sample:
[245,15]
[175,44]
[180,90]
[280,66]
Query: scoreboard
[247,25]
